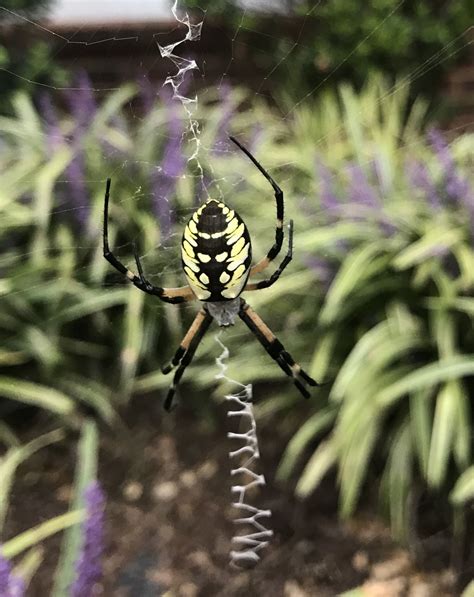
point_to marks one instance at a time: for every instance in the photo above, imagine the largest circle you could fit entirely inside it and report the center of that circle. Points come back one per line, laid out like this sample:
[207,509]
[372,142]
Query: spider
[216,256]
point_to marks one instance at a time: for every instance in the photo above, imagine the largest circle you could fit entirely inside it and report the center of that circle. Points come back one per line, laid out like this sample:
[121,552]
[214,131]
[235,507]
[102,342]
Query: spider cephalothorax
[216,255]
[216,252]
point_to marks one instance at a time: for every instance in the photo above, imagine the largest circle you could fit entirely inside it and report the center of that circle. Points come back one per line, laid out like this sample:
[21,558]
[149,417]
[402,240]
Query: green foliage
[378,297]
[24,65]
[31,540]
[86,472]
[344,40]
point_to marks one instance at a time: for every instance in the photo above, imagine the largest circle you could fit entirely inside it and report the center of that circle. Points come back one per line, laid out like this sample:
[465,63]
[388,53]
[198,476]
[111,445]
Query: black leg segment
[275,249]
[277,273]
[276,349]
[168,295]
[185,353]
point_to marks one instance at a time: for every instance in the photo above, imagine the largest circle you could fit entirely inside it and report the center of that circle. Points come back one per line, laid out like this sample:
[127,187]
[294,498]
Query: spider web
[184,66]
[185,69]
[190,136]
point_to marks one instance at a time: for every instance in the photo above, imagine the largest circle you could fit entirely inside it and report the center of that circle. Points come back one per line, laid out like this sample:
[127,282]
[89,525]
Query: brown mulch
[169,519]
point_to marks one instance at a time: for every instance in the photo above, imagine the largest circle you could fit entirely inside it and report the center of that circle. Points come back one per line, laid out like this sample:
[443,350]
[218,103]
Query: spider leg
[276,349]
[185,353]
[169,295]
[276,247]
[277,273]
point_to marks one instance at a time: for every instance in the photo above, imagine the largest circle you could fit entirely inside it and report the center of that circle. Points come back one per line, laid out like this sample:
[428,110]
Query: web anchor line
[255,535]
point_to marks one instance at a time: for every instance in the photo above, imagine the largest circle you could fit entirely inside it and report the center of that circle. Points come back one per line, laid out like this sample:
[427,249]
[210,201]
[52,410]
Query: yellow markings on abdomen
[189,237]
[231,227]
[219,234]
[239,245]
[192,277]
[204,278]
[224,278]
[237,234]
[190,263]
[240,258]
[222,256]
[204,257]
[187,248]
[239,272]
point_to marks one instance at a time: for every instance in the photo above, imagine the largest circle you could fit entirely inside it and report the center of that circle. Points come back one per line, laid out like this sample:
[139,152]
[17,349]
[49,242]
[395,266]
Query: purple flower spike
[329,200]
[52,130]
[148,93]
[455,185]
[10,584]
[89,564]
[323,270]
[5,572]
[361,192]
[82,101]
[164,179]
[17,586]
[420,178]
[441,149]
[83,109]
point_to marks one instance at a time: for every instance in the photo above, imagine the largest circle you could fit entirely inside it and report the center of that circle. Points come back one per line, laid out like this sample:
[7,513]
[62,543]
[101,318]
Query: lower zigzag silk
[255,536]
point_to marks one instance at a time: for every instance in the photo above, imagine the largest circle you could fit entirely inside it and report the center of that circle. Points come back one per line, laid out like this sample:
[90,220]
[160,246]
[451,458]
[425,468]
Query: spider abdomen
[216,252]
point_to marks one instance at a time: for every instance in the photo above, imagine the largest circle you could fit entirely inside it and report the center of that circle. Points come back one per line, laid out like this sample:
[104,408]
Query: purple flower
[420,178]
[83,108]
[148,93]
[456,186]
[82,102]
[11,585]
[364,201]
[329,200]
[53,134]
[361,191]
[89,564]
[441,148]
[5,572]
[323,270]
[227,107]
[163,179]
[17,586]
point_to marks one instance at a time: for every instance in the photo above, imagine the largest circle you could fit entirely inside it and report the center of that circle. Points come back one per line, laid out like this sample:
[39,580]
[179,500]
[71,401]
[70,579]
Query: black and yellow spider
[216,255]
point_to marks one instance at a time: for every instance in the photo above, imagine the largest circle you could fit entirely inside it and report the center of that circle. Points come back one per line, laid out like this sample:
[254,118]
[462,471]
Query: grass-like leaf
[442,437]
[32,393]
[464,489]
[428,376]
[307,432]
[41,532]
[318,465]
[14,457]
[86,472]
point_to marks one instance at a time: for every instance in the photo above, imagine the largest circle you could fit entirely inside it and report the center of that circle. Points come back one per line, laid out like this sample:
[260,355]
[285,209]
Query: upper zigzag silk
[216,252]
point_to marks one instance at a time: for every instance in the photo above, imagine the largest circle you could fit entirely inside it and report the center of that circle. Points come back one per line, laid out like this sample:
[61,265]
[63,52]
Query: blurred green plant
[30,542]
[378,298]
[347,41]
[27,63]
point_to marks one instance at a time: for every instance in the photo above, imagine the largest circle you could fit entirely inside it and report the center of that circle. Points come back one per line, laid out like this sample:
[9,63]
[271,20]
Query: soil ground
[169,519]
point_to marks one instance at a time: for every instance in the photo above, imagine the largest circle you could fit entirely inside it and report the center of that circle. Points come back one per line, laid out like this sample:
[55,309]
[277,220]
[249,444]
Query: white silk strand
[257,535]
